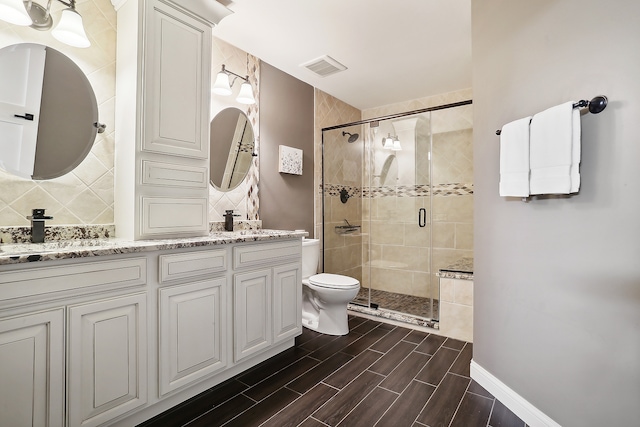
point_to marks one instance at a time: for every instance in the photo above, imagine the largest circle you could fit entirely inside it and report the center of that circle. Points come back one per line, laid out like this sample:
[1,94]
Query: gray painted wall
[286,118]
[557,281]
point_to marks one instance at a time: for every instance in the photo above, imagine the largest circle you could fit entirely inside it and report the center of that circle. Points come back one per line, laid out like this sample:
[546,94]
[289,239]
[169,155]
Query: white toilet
[324,296]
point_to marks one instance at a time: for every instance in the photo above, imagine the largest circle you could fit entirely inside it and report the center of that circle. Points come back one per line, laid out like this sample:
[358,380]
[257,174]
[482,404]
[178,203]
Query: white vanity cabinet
[74,329]
[163,81]
[192,317]
[115,340]
[267,290]
[32,369]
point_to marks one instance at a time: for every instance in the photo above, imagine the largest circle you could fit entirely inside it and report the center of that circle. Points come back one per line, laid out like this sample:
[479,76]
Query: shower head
[353,137]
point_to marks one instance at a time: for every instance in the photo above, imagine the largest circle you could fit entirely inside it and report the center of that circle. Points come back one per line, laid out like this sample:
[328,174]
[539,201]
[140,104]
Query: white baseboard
[512,400]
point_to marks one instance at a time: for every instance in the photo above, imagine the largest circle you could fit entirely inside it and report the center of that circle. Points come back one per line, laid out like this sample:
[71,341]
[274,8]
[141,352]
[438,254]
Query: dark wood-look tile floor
[377,375]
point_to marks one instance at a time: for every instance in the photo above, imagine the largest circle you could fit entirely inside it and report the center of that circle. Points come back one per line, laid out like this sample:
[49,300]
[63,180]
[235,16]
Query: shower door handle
[422,217]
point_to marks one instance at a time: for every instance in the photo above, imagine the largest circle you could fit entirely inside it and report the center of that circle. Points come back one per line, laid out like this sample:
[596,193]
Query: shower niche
[413,200]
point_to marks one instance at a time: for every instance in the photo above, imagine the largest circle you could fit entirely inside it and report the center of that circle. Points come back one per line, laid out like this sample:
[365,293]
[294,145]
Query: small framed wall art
[290,160]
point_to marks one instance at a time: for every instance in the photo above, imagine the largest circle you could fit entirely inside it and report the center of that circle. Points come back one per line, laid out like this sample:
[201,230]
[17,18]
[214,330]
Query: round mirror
[231,148]
[48,112]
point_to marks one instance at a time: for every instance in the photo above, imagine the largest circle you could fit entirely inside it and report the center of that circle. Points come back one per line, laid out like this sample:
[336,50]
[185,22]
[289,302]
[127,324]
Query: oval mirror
[48,112]
[231,147]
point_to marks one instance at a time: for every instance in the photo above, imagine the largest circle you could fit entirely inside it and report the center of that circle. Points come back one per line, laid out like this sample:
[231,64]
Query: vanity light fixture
[28,13]
[222,86]
[391,143]
[396,144]
[387,142]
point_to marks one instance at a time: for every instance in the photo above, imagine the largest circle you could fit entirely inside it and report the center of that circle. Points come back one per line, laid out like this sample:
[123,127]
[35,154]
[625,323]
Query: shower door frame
[370,122]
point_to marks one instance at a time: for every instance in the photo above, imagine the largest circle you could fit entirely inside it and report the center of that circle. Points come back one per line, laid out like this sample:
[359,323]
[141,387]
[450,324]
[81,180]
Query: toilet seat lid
[335,281]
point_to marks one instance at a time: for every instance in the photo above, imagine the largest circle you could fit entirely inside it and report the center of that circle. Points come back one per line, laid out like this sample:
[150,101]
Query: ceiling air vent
[324,66]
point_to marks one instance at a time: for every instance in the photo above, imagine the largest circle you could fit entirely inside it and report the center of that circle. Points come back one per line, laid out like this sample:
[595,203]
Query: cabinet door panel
[177,116]
[106,366]
[265,254]
[192,264]
[166,216]
[174,175]
[192,332]
[287,300]
[252,312]
[32,363]
[111,365]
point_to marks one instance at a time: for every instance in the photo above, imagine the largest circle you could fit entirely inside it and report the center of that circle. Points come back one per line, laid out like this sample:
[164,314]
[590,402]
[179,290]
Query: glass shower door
[395,213]
[398,219]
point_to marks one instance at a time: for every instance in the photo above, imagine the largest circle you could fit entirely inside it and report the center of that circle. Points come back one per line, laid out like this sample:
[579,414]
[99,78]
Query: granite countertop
[461,269]
[80,248]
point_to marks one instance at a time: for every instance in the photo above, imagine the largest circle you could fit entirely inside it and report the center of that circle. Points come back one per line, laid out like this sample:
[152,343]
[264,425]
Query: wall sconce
[27,13]
[223,87]
[391,143]
[396,144]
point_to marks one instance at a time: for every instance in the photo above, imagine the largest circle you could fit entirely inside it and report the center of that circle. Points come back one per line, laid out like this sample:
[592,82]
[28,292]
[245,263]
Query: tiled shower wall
[85,195]
[343,165]
[330,111]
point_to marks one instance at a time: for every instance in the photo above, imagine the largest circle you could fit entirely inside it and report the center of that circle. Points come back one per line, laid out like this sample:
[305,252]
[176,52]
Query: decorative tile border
[253,113]
[399,191]
[334,190]
[453,189]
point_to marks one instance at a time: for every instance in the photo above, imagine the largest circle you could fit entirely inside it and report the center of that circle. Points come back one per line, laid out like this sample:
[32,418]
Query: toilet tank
[310,255]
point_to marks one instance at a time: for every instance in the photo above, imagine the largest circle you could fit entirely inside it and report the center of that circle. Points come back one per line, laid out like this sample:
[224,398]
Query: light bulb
[388,143]
[246,94]
[221,86]
[14,12]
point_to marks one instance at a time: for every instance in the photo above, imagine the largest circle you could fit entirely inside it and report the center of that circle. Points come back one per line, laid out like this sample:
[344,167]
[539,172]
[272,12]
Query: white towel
[555,150]
[576,152]
[514,158]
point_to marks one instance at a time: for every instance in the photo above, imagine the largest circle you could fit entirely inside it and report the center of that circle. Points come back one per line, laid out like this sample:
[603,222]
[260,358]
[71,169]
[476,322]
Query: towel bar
[596,105]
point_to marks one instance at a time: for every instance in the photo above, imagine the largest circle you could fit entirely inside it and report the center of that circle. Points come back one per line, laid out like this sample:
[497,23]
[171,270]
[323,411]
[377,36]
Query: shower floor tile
[407,304]
[394,377]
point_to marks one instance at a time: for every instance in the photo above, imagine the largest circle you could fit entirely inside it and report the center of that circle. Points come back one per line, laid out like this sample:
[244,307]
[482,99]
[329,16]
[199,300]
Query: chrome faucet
[37,218]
